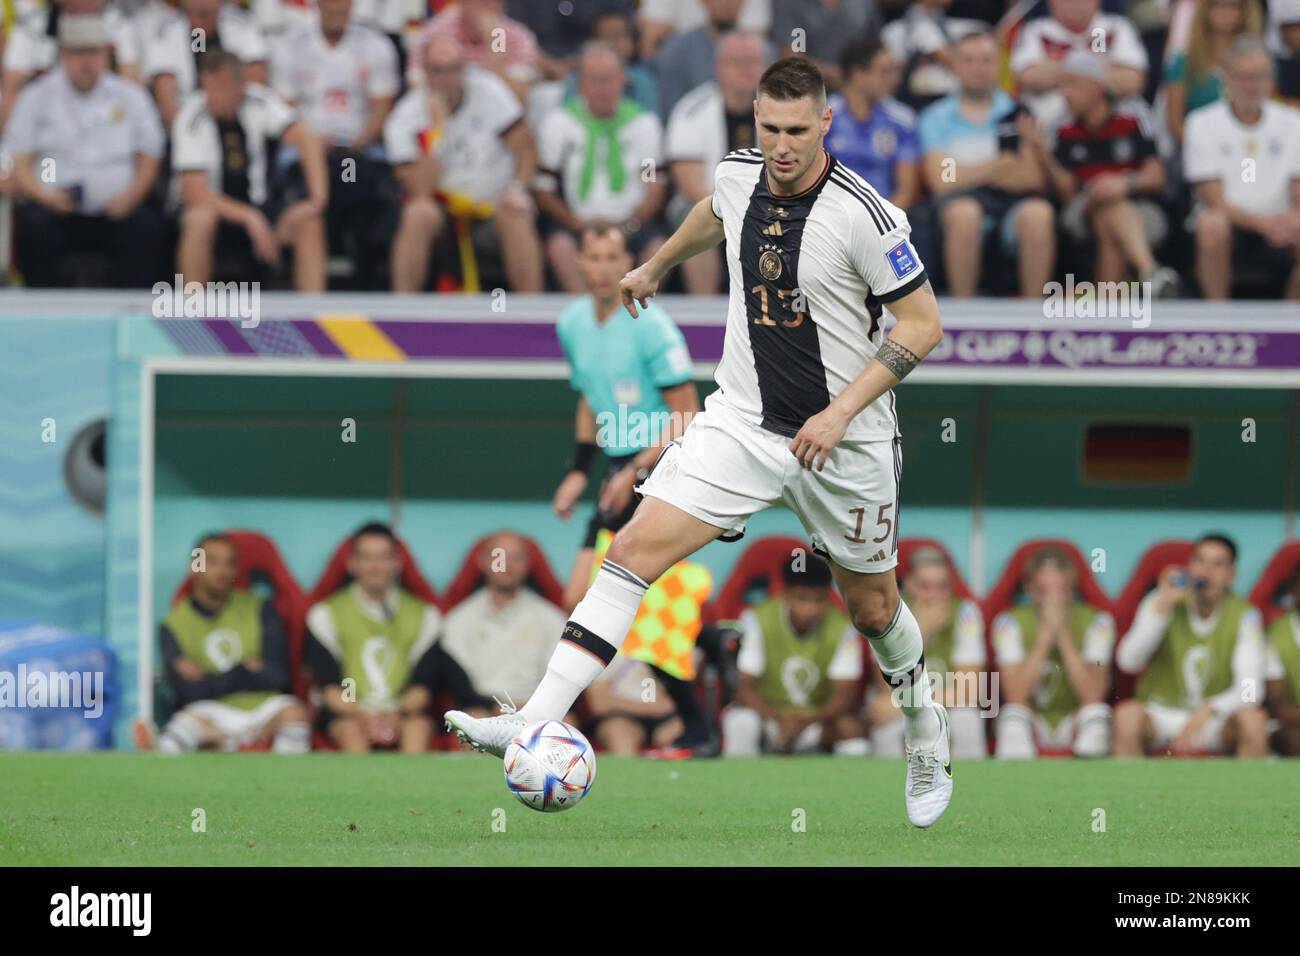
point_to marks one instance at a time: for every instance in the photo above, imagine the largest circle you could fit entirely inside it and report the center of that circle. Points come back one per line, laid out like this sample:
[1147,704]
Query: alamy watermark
[1098,300]
[44,689]
[208,300]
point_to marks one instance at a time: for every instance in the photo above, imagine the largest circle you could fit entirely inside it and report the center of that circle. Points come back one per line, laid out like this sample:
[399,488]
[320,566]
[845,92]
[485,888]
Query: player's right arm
[701,230]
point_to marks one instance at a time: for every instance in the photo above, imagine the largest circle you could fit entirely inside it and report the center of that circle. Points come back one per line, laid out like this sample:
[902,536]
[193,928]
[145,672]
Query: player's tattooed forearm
[899,359]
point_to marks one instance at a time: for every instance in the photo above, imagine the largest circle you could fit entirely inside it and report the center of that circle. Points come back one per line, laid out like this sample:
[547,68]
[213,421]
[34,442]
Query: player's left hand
[616,495]
[818,438]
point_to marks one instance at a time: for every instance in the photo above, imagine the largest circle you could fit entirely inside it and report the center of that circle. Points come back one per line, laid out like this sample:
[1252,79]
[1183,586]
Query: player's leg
[287,727]
[350,734]
[658,536]
[416,724]
[846,736]
[1092,729]
[850,510]
[1134,728]
[187,730]
[197,247]
[742,732]
[620,734]
[1244,733]
[706,483]
[1016,731]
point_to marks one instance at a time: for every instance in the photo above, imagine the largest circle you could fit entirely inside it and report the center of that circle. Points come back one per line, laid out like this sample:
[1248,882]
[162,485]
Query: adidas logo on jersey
[772,230]
[879,555]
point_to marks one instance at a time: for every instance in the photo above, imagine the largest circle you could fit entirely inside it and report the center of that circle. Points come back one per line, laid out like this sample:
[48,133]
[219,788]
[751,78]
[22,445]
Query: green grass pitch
[328,809]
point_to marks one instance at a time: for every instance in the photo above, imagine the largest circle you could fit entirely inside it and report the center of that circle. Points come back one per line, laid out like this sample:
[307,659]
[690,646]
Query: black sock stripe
[622,572]
[579,636]
[905,678]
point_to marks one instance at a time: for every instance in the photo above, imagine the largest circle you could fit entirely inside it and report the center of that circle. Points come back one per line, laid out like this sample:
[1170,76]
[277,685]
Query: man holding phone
[86,146]
[1199,649]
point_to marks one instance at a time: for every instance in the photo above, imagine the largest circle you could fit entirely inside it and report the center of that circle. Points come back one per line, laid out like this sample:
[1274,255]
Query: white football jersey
[809,275]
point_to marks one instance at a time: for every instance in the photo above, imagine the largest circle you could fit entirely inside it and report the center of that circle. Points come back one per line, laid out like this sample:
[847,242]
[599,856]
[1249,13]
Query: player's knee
[873,612]
[294,713]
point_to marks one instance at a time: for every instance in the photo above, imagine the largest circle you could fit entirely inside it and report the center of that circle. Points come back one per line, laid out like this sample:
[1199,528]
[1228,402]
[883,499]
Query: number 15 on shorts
[883,523]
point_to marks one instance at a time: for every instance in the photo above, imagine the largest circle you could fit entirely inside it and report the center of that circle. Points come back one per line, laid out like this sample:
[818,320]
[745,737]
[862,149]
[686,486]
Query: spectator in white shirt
[598,159]
[170,56]
[31,47]
[709,122]
[460,142]
[341,77]
[1242,155]
[219,156]
[1076,25]
[503,634]
[86,146]
[660,19]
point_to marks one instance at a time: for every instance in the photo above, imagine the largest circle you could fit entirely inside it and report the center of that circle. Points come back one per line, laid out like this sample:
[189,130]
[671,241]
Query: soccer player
[804,414]
[953,630]
[227,660]
[371,648]
[1200,650]
[800,660]
[1283,676]
[633,377]
[1054,652]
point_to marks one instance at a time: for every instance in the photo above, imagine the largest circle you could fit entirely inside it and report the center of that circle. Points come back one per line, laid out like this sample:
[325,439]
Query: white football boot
[929,776]
[489,735]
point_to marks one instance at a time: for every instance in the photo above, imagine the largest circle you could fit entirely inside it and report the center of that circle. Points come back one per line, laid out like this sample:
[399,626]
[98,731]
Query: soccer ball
[550,766]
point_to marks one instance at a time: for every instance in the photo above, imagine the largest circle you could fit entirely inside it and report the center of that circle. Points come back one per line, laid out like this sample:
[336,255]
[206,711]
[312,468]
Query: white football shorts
[239,727]
[725,469]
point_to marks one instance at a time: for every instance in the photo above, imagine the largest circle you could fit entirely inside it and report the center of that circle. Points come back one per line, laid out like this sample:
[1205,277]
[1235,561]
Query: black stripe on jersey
[865,190]
[742,159]
[783,334]
[893,295]
[884,223]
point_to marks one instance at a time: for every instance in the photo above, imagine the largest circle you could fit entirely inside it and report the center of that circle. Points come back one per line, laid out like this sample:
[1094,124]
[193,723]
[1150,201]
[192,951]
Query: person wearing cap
[1105,171]
[31,46]
[955,657]
[219,158]
[1194,77]
[85,146]
[1242,156]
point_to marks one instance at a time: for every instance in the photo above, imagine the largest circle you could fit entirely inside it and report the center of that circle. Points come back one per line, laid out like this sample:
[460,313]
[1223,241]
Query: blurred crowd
[1198,670]
[405,145]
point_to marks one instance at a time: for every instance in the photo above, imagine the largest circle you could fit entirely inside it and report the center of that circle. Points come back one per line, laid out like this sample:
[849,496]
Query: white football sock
[900,656]
[595,632]
[292,739]
[181,735]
